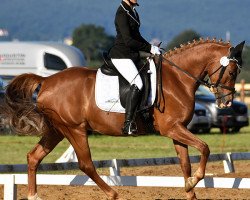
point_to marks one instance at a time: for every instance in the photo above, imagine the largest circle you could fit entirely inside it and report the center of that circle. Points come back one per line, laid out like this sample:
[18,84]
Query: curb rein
[206,83]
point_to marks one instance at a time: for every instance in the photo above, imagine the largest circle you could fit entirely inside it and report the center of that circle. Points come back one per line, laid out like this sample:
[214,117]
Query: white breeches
[128,70]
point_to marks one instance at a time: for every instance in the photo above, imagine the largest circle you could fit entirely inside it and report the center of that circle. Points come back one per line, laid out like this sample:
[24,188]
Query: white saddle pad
[107,91]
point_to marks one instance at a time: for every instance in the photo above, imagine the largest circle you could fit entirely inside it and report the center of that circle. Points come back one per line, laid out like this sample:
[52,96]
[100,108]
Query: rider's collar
[129,11]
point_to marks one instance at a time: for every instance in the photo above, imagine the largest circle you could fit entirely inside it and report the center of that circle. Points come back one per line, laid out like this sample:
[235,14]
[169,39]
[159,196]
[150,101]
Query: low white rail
[11,180]
[227,159]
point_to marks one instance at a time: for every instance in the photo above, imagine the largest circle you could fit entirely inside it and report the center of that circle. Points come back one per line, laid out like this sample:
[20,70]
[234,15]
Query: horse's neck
[190,66]
[192,61]
[196,59]
[186,66]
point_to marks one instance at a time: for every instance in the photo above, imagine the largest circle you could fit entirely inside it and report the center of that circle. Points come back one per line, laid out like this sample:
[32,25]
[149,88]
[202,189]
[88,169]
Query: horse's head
[224,76]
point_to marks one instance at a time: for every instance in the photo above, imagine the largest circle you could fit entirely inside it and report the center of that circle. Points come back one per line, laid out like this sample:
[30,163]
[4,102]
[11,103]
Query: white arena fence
[115,179]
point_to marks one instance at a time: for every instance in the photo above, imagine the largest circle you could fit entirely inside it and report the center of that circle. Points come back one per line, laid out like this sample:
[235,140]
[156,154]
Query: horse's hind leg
[182,153]
[79,140]
[35,156]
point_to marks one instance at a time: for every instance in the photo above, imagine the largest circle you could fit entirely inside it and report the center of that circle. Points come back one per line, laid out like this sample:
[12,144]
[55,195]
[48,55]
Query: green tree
[91,40]
[182,38]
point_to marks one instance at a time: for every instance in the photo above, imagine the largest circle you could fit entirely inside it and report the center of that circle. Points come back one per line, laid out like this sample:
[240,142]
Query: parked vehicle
[42,58]
[2,84]
[227,120]
[201,121]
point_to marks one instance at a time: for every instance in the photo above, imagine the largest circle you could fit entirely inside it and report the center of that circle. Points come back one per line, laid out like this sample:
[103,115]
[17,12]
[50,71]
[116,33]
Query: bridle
[214,87]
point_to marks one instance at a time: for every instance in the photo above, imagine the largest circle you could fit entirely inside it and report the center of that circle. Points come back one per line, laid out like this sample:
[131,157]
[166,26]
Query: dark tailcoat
[128,41]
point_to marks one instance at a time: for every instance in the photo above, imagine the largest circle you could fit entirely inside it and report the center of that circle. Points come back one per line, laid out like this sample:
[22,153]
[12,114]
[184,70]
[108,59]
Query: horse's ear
[240,46]
[235,52]
[238,49]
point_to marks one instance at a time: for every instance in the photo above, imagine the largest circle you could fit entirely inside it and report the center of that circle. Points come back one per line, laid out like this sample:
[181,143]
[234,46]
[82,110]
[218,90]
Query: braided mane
[194,43]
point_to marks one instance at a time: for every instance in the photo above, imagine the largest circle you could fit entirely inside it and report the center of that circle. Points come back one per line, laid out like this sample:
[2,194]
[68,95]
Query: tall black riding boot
[131,106]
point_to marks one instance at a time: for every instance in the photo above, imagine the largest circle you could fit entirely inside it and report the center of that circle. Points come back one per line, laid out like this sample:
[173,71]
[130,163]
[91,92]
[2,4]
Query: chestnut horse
[65,108]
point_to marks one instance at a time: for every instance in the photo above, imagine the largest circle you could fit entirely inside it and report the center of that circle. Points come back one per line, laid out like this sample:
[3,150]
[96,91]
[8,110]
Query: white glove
[155,50]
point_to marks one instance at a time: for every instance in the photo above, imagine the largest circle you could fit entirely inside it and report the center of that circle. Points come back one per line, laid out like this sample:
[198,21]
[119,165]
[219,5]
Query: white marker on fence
[228,163]
[10,190]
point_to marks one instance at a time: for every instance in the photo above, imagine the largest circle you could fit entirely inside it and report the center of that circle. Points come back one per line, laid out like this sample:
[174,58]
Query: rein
[216,85]
[203,82]
[159,90]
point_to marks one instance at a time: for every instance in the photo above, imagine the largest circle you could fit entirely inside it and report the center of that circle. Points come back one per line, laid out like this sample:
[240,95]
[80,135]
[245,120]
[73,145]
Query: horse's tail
[19,108]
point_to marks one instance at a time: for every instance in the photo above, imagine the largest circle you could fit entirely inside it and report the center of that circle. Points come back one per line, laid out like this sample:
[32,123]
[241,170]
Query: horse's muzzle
[223,103]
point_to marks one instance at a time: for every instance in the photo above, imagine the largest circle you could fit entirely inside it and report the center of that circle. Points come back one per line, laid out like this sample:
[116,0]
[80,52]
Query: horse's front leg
[182,153]
[34,158]
[180,133]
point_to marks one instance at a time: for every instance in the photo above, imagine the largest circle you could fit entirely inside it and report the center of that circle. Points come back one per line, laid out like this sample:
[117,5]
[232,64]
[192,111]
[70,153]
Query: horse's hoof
[191,195]
[35,197]
[192,198]
[116,198]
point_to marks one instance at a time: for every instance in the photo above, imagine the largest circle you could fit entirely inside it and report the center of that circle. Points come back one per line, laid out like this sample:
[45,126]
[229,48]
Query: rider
[125,56]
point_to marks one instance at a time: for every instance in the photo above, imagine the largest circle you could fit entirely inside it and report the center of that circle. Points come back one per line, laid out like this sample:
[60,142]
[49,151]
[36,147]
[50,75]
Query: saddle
[110,80]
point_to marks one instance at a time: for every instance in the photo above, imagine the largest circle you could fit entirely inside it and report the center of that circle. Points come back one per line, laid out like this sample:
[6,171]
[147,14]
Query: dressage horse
[65,107]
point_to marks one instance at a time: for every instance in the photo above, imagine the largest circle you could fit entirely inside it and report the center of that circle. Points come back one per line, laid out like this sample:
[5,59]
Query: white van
[42,58]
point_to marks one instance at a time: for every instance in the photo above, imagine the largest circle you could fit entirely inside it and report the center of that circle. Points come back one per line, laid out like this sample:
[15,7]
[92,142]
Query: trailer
[42,58]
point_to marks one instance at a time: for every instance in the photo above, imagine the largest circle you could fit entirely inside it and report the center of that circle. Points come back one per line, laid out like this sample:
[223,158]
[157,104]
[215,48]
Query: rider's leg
[128,70]
[131,106]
